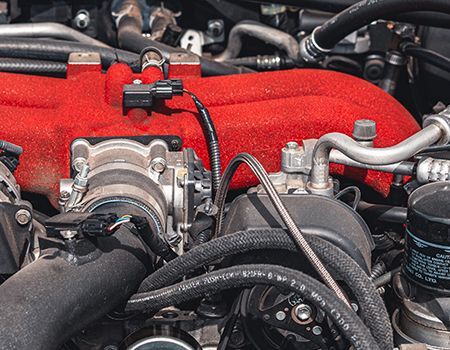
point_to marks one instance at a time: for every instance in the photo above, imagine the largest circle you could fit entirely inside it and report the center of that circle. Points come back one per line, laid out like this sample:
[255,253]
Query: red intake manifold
[255,113]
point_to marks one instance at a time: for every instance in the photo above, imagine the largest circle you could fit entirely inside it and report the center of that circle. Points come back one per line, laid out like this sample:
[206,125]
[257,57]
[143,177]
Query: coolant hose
[28,66]
[372,306]
[421,18]
[56,296]
[345,319]
[366,11]
[54,50]
[427,56]
[282,40]
[129,37]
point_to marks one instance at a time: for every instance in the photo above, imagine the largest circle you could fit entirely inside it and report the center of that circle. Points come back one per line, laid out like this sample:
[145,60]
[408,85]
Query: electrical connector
[78,225]
[143,95]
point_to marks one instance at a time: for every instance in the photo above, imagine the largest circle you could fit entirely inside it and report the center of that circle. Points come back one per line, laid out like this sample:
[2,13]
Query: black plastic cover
[14,239]
[328,218]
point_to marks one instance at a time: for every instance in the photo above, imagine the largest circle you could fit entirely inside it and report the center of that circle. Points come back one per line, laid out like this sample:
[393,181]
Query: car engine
[225,174]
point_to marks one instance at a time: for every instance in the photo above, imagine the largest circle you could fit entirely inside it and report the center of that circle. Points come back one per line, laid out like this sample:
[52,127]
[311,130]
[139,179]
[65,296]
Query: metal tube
[368,155]
[278,38]
[47,30]
[401,168]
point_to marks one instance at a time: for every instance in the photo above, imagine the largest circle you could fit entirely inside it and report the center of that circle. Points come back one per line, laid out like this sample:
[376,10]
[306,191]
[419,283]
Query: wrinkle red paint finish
[255,113]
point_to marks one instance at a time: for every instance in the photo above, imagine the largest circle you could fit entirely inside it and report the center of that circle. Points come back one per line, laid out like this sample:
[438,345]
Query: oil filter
[427,250]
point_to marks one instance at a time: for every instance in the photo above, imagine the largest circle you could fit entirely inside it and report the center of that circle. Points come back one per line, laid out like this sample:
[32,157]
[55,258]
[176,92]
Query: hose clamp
[310,50]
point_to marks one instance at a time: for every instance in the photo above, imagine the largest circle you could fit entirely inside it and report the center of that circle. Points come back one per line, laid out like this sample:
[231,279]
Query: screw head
[175,145]
[317,330]
[280,315]
[303,312]
[78,164]
[215,27]
[292,145]
[64,195]
[68,234]
[23,217]
[82,19]
[158,164]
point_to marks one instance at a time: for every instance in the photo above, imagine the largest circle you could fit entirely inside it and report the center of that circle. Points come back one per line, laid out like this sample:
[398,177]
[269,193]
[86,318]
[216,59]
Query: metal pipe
[368,155]
[269,35]
[47,30]
[401,168]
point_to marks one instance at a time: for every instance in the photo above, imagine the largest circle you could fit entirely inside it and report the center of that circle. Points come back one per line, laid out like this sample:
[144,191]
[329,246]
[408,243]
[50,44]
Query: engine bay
[225,174]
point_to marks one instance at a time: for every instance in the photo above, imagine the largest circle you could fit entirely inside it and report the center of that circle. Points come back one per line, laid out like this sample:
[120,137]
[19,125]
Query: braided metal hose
[296,233]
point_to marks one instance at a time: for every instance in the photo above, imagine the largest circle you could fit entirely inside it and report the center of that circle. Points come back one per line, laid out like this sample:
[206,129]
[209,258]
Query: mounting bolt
[23,217]
[292,145]
[78,163]
[365,131]
[280,315]
[303,312]
[158,164]
[317,330]
[215,27]
[68,234]
[82,19]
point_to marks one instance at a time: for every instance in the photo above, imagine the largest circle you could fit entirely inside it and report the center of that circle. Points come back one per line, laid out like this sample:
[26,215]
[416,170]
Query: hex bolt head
[364,130]
[303,312]
[23,217]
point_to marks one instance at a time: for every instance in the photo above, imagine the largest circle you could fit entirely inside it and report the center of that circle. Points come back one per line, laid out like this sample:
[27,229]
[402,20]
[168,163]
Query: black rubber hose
[129,37]
[29,66]
[386,278]
[59,51]
[152,239]
[56,296]
[241,276]
[340,263]
[416,17]
[10,148]
[212,140]
[366,11]
[427,56]
[386,213]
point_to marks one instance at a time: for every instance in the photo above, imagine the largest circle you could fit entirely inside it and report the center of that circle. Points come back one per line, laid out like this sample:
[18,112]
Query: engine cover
[255,113]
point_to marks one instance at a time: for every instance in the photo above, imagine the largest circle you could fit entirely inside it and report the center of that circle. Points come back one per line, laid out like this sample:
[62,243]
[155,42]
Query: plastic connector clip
[143,95]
